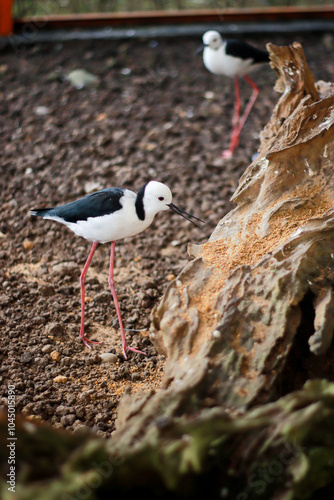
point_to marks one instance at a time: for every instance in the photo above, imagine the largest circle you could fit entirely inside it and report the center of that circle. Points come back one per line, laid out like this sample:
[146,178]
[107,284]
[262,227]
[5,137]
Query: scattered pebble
[81,78]
[54,329]
[66,268]
[28,244]
[108,357]
[26,357]
[84,397]
[46,290]
[47,348]
[42,111]
[4,299]
[135,376]
[55,356]
[81,428]
[62,410]
[93,359]
[68,420]
[209,95]
[60,379]
[110,62]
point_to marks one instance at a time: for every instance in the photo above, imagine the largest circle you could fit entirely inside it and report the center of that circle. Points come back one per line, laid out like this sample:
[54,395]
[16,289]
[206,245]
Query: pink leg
[250,104]
[82,285]
[234,136]
[125,347]
[237,127]
[237,103]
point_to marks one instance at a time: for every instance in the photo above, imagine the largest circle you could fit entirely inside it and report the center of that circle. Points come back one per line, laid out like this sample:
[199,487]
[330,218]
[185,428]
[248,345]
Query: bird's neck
[222,43]
[139,204]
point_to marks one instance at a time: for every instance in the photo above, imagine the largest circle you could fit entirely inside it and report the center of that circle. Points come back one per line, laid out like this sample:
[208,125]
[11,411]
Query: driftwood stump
[233,314]
[246,409]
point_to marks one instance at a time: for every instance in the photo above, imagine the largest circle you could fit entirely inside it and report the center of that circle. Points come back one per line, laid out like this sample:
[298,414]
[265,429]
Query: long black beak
[185,214]
[200,49]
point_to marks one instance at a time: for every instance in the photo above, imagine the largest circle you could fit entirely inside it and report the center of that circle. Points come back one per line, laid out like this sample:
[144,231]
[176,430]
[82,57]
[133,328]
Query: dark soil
[156,114]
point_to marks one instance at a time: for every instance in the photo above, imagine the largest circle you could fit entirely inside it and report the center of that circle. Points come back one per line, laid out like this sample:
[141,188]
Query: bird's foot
[227,153]
[132,349]
[87,341]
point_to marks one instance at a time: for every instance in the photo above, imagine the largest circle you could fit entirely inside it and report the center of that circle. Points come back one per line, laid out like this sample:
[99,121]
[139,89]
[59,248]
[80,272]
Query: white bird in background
[233,58]
[107,216]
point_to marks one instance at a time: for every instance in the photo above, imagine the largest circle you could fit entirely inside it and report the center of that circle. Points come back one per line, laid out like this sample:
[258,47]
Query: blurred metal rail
[158,18]
[170,24]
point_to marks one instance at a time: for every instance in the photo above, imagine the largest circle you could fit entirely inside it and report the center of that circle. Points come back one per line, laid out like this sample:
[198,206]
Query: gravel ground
[156,113]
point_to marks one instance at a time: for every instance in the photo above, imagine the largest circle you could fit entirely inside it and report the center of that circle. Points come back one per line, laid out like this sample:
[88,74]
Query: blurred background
[38,7]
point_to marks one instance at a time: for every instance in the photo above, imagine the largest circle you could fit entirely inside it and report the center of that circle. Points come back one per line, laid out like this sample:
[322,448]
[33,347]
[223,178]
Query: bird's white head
[157,197]
[212,39]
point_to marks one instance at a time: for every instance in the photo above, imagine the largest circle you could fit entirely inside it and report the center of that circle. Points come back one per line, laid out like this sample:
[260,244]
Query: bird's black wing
[106,201]
[243,50]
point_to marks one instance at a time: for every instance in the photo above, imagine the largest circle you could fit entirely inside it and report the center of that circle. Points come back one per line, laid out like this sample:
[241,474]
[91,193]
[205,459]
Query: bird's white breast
[219,63]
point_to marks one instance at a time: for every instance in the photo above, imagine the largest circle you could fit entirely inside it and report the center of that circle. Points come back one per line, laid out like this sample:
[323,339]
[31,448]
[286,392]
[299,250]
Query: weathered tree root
[281,450]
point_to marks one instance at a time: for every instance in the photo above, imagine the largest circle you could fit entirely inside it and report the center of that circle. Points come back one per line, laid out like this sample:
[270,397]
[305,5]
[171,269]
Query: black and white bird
[107,216]
[233,58]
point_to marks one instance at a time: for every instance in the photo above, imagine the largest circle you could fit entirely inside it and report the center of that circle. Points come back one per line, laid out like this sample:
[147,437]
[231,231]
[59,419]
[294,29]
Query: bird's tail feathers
[40,212]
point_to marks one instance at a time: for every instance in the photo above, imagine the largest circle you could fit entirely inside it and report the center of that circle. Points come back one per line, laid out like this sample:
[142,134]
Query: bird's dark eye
[161,198]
